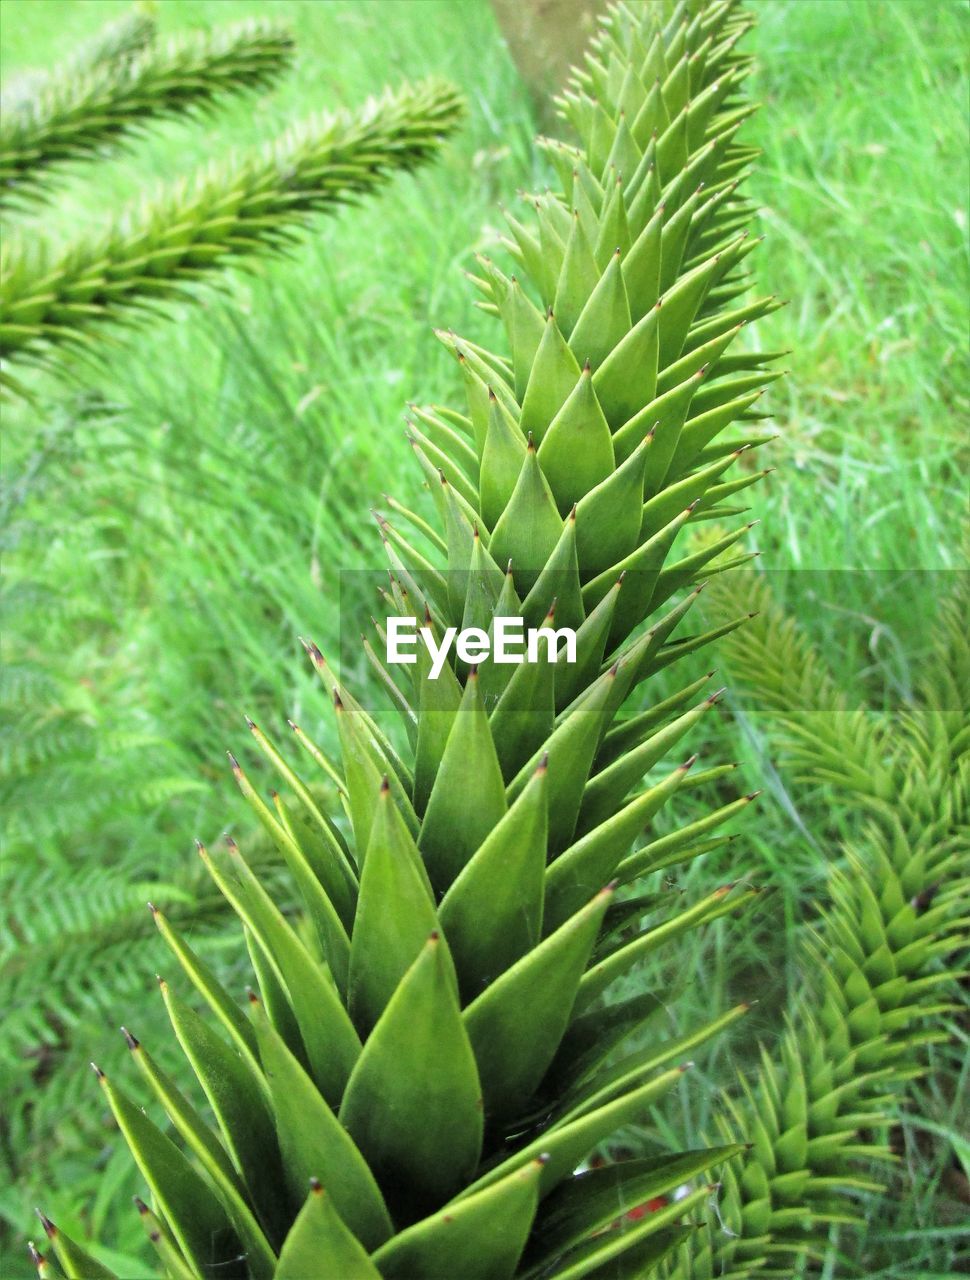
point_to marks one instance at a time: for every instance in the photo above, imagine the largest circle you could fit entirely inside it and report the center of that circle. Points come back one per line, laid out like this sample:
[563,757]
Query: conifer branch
[425,1074]
[231,210]
[72,117]
[118,41]
[895,917]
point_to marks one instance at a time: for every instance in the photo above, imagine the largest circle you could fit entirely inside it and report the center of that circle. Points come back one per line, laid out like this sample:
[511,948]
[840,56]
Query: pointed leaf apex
[46,1224]
[752,795]
[130,1040]
[233,762]
[315,654]
[97,1071]
[316,1187]
[689,764]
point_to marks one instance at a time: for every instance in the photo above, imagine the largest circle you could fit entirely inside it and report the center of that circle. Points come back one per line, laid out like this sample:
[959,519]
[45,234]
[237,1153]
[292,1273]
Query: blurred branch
[72,116]
[245,205]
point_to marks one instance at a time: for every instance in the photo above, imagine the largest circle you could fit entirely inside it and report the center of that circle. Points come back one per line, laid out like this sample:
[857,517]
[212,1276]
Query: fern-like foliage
[881,958]
[77,112]
[236,208]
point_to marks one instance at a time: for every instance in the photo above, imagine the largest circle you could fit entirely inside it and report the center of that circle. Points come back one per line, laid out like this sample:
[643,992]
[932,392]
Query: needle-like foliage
[427,1061]
[890,941]
[236,208]
[118,41]
[78,112]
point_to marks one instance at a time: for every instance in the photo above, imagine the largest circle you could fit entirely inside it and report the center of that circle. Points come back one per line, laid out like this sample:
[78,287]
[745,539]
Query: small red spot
[649,1206]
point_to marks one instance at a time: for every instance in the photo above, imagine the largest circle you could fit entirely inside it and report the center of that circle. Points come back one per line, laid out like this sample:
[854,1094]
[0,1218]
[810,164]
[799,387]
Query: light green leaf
[395,915]
[319,1244]
[492,913]
[314,1143]
[468,795]
[413,1102]
[481,1237]
[516,1025]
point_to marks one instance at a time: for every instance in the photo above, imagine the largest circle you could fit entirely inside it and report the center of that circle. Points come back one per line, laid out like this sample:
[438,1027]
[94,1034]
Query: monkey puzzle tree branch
[242,206]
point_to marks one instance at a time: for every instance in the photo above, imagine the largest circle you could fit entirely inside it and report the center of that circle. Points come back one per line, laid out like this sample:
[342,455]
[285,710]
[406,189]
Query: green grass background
[178,514]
